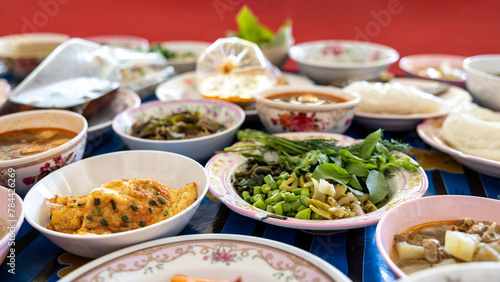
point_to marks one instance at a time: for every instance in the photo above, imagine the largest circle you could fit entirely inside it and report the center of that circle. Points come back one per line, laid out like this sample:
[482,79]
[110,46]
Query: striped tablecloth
[354,252]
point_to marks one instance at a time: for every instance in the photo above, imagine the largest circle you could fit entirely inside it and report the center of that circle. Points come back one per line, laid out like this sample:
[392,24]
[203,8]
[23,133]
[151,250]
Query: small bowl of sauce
[306,108]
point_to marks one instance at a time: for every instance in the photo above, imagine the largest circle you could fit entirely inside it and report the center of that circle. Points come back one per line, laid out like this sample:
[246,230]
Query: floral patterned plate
[429,131]
[209,256]
[404,186]
[183,86]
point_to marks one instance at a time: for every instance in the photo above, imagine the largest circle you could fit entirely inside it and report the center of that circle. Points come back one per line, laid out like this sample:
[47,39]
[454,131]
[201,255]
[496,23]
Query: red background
[411,27]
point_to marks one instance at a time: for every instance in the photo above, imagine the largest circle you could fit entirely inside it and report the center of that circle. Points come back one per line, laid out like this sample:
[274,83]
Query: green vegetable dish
[316,178]
[180,125]
[172,54]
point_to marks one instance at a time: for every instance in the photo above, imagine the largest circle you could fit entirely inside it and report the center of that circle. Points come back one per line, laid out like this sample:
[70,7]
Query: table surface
[354,252]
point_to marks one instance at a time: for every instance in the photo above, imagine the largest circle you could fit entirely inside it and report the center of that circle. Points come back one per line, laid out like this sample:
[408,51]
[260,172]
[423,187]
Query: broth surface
[26,142]
[306,98]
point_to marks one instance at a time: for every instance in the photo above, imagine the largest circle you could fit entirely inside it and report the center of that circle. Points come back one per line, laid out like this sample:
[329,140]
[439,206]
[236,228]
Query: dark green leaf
[369,144]
[377,185]
[333,172]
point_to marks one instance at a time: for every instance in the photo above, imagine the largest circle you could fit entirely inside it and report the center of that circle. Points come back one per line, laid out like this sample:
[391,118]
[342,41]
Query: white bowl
[80,178]
[337,61]
[430,209]
[459,272]
[181,66]
[481,83]
[32,169]
[413,65]
[200,148]
[278,55]
[123,41]
[13,213]
[22,53]
[280,116]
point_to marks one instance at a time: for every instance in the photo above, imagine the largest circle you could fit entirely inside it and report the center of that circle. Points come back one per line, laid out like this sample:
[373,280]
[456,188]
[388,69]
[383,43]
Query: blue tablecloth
[354,252]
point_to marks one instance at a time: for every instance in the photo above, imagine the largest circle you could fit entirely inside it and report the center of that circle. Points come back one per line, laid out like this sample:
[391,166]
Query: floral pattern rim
[220,168]
[429,132]
[213,255]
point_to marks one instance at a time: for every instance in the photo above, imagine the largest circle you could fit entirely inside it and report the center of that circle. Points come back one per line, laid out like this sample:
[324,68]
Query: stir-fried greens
[182,125]
[316,178]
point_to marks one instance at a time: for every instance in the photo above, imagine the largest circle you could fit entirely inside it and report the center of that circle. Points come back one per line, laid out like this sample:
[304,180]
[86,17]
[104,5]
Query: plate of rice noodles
[470,134]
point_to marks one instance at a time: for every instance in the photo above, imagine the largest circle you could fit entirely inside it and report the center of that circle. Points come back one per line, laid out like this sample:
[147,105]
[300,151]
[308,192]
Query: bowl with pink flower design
[21,173]
[306,108]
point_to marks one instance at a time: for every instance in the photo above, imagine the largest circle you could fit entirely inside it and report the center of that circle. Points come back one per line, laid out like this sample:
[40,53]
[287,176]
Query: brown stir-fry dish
[119,206]
[440,243]
[182,125]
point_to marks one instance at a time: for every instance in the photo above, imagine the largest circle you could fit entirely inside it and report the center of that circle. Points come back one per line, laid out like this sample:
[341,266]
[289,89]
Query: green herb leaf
[333,172]
[250,29]
[369,144]
[377,185]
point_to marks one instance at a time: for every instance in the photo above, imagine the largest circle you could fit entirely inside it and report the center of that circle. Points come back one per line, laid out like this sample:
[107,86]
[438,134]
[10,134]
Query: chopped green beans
[103,222]
[96,211]
[162,200]
[80,204]
[142,224]
[124,218]
[97,201]
[113,205]
[134,207]
[153,203]
[165,212]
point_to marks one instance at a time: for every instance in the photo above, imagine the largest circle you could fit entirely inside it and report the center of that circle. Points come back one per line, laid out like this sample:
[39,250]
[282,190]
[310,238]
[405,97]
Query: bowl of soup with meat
[436,231]
[306,108]
[35,143]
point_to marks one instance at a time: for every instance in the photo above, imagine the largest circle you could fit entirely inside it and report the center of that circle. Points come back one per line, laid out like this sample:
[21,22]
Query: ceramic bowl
[189,64]
[200,148]
[483,79]
[459,272]
[123,41]
[13,214]
[338,61]
[279,116]
[80,178]
[430,209]
[414,66]
[31,169]
[278,55]
[22,53]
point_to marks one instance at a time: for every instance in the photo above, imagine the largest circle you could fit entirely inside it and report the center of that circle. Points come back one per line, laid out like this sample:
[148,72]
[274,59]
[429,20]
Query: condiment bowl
[82,177]
[483,79]
[31,169]
[340,61]
[416,66]
[430,209]
[281,116]
[199,148]
[22,53]
[12,215]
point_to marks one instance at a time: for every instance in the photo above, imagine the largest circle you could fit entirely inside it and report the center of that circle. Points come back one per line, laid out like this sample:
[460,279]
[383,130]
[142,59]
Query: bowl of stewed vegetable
[314,180]
[436,231]
[196,128]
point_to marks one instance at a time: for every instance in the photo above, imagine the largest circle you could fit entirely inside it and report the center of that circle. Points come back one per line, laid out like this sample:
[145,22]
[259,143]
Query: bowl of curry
[36,143]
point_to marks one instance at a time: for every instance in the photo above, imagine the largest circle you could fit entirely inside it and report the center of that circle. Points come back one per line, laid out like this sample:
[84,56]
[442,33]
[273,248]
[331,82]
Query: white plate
[183,86]
[404,186]
[459,272]
[453,96]
[209,256]
[100,122]
[429,132]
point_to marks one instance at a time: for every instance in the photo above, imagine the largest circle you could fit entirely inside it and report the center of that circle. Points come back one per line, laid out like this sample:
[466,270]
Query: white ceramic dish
[430,209]
[123,41]
[334,61]
[469,272]
[184,65]
[413,65]
[215,256]
[199,148]
[33,168]
[483,79]
[13,213]
[454,96]
[429,132]
[183,86]
[100,122]
[404,186]
[81,177]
